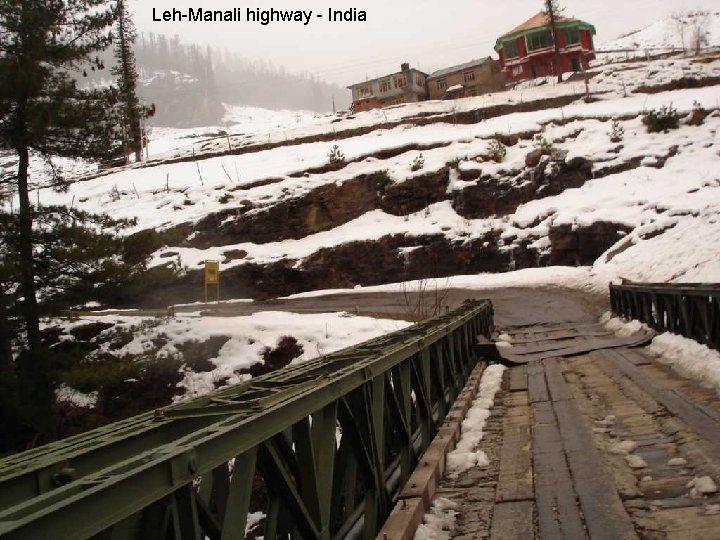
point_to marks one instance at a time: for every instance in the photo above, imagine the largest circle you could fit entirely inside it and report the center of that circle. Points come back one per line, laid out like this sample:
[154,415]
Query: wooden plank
[702,424]
[518,379]
[558,513]
[537,388]
[575,432]
[605,515]
[515,480]
[559,391]
[543,413]
[592,344]
[513,521]
[404,520]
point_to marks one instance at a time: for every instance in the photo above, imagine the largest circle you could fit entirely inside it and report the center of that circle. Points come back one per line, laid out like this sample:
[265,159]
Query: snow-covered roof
[540,20]
[536,21]
[455,88]
[459,67]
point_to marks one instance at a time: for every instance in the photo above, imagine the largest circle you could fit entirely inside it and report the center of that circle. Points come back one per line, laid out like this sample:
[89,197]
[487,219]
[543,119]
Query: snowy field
[318,334]
[667,34]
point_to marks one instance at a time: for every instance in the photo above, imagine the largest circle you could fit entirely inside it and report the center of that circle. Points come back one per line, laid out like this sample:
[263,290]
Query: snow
[253,518]
[466,455]
[687,357]
[238,121]
[622,448]
[701,487]
[64,393]
[663,35]
[439,523]
[621,327]
[319,334]
[635,462]
[553,276]
[670,203]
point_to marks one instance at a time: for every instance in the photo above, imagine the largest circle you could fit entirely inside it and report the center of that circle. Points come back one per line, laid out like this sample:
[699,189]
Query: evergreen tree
[133,112]
[42,110]
[553,10]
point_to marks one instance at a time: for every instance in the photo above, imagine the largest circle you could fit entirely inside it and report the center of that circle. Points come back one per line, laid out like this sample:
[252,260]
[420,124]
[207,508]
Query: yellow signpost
[212,277]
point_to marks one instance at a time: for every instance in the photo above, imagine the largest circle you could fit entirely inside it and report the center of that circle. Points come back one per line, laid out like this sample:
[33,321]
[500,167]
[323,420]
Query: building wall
[541,63]
[488,77]
[385,91]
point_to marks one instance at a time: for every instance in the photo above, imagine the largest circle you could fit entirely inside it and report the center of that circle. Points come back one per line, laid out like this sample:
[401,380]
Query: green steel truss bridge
[324,446]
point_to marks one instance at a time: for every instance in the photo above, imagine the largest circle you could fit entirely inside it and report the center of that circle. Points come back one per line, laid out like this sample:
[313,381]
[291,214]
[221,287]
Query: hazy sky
[430,34]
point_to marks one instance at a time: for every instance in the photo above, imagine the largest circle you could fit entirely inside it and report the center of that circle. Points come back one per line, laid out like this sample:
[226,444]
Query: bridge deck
[558,442]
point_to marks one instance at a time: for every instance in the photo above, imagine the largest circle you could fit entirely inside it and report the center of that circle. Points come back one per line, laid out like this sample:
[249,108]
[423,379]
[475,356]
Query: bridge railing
[321,448]
[688,309]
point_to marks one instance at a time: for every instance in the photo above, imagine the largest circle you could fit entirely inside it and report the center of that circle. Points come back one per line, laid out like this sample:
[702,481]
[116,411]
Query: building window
[385,86]
[511,49]
[539,40]
[469,76]
[575,64]
[365,91]
[400,82]
[397,101]
[517,70]
[442,84]
[419,80]
[572,36]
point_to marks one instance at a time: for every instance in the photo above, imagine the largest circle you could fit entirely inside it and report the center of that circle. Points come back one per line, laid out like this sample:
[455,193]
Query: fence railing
[321,449]
[688,309]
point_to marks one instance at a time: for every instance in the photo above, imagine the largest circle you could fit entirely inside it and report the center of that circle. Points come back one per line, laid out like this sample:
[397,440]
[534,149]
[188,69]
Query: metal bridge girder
[327,445]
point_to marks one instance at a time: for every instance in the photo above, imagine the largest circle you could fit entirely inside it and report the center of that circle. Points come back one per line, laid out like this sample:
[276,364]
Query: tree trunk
[37,391]
[553,32]
[6,357]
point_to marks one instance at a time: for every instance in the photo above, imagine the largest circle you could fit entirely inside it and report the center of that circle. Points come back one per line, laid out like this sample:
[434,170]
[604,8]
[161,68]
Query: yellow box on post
[212,277]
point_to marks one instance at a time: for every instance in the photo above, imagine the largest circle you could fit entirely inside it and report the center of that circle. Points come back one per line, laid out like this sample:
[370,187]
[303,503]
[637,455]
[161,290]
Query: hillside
[530,188]
[190,84]
[283,220]
[678,32]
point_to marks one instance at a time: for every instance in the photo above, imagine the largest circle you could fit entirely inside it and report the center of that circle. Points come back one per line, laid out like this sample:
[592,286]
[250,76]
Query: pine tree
[43,110]
[133,112]
[552,13]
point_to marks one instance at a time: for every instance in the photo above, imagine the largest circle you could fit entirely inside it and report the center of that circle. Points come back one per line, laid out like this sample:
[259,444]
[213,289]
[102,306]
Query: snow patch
[465,455]
[439,523]
[622,448]
[689,358]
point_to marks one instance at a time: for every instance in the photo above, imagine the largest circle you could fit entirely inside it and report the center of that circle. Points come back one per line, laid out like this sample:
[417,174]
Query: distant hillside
[189,83]
[679,31]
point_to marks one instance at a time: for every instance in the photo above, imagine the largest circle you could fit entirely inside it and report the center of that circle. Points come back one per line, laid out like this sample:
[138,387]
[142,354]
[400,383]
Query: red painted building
[527,52]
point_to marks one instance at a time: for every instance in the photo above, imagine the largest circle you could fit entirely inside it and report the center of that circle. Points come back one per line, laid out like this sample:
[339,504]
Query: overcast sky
[430,34]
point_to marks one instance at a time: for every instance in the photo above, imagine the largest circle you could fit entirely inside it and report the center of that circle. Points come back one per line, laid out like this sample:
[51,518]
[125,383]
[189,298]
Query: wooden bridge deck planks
[513,512]
[571,492]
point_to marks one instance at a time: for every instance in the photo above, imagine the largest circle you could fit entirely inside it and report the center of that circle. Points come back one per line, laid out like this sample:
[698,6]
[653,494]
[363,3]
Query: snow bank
[686,356]
[466,455]
[689,358]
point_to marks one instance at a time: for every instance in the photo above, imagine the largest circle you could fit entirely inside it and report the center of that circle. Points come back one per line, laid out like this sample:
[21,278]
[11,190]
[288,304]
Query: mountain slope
[282,219]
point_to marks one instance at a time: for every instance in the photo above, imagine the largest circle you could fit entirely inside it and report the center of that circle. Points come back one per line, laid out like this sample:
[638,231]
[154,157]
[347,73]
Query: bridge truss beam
[325,446]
